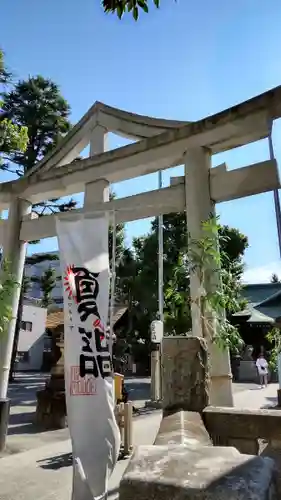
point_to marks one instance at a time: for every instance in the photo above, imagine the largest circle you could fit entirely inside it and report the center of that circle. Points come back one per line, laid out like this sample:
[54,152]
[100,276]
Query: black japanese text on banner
[83,245]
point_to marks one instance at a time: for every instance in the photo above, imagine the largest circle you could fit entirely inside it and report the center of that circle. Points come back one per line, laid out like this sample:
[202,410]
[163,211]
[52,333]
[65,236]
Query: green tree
[5,75]
[121,7]
[12,137]
[142,279]
[48,279]
[228,257]
[126,272]
[215,300]
[274,338]
[47,283]
[274,278]
[177,315]
[37,104]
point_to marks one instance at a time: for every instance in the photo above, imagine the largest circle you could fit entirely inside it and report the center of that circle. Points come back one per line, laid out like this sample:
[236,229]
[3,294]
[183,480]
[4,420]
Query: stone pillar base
[279,397]
[185,368]
[51,409]
[221,377]
[221,391]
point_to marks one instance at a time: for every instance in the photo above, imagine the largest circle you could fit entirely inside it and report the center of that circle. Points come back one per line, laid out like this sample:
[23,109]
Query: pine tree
[37,104]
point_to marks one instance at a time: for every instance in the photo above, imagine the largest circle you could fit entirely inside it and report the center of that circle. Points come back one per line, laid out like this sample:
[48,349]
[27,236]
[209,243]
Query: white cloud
[262,274]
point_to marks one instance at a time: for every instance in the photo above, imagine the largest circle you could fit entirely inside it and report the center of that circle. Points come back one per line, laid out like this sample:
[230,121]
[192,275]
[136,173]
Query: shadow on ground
[272,404]
[142,412]
[272,399]
[57,462]
[22,418]
[28,428]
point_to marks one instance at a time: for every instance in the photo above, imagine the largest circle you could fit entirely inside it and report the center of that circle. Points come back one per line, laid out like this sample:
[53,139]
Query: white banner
[83,245]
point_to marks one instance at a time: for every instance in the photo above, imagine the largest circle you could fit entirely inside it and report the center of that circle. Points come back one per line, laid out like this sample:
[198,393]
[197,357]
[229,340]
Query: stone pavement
[45,473]
[43,469]
[23,435]
[250,396]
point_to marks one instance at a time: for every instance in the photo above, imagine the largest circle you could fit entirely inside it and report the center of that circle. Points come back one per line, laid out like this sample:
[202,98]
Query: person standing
[262,367]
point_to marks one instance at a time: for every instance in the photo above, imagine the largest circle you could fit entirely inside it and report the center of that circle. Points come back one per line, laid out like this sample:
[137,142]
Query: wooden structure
[124,418]
[254,327]
[51,405]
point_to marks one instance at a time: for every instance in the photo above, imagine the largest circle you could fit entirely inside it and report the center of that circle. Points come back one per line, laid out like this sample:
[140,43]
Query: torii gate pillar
[14,251]
[199,207]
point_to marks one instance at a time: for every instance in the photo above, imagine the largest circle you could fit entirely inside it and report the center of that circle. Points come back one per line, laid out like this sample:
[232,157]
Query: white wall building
[31,338]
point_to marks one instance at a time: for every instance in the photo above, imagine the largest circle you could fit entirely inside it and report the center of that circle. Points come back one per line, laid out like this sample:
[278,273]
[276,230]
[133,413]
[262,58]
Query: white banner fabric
[83,245]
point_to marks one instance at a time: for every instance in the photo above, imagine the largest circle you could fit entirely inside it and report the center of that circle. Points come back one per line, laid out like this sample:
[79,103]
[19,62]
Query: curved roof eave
[124,123]
[133,125]
[255,316]
[269,299]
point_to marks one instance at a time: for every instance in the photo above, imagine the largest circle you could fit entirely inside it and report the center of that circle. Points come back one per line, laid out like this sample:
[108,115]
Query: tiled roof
[255,315]
[273,312]
[258,292]
[264,299]
[55,319]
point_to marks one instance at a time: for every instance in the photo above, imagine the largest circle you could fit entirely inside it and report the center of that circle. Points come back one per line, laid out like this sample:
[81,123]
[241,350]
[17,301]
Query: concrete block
[242,424]
[197,473]
[182,427]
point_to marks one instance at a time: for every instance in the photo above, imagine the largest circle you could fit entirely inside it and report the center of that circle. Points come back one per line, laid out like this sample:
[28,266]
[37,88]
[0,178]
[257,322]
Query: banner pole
[112,290]
[160,285]
[275,196]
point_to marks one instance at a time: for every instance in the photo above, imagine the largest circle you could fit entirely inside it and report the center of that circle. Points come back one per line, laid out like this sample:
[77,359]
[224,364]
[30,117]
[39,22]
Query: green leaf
[143,5]
[120,10]
[7,287]
[135,13]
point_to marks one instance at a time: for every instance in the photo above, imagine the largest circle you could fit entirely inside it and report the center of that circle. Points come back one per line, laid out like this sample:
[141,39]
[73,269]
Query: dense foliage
[7,287]
[137,280]
[274,339]
[36,106]
[13,137]
[47,283]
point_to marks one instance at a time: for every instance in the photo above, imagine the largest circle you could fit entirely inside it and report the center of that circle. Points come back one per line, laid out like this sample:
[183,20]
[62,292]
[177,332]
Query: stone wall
[244,429]
[256,432]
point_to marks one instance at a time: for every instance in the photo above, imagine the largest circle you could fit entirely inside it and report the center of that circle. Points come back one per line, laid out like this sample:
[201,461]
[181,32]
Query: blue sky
[185,61]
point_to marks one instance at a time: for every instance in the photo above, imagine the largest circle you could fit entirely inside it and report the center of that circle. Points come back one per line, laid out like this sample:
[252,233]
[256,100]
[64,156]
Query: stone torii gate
[160,144]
